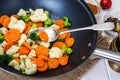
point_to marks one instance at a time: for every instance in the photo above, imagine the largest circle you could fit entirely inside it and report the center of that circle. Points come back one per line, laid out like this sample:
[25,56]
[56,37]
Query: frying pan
[79,14]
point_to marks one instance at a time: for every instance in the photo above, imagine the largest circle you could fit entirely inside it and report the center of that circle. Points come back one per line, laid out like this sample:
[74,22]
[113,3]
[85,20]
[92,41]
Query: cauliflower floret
[3,43]
[32,53]
[34,46]
[45,44]
[1,50]
[22,62]
[3,30]
[27,66]
[22,39]
[38,15]
[24,36]
[13,21]
[16,55]
[30,67]
[23,56]
[31,11]
[55,26]
[29,41]
[22,12]
[16,24]
[55,52]
[12,50]
[31,70]
[21,25]
[14,64]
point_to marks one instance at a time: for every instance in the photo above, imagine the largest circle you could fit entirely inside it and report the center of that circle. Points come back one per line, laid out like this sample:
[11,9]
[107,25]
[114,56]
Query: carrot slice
[27,28]
[30,23]
[7,46]
[43,36]
[27,45]
[43,68]
[2,18]
[39,62]
[45,58]
[63,60]
[6,22]
[39,24]
[33,59]
[53,63]
[59,22]
[58,44]
[16,16]
[69,41]
[17,59]
[41,50]
[13,35]
[65,35]
[23,50]
[68,36]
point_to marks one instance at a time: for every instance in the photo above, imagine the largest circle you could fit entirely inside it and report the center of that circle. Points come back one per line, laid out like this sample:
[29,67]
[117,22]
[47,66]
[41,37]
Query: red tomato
[105,4]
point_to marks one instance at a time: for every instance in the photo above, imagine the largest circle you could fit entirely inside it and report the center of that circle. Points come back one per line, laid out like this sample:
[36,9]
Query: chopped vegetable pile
[34,54]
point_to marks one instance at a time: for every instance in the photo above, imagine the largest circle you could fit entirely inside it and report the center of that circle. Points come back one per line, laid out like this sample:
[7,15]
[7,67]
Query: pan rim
[94,45]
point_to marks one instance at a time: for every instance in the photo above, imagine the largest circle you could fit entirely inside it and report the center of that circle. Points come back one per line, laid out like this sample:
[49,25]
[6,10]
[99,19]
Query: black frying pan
[79,14]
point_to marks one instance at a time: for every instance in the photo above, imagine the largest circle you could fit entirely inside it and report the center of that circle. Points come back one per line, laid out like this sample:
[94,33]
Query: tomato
[105,4]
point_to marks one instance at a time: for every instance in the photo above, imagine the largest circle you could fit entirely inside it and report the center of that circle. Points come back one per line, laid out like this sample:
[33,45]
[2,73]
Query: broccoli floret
[34,26]
[64,49]
[1,38]
[25,18]
[34,36]
[47,13]
[66,22]
[59,40]
[49,20]
[5,57]
[69,50]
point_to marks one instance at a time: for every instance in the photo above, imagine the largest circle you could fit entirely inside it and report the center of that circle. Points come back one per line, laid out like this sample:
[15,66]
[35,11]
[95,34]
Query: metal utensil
[53,33]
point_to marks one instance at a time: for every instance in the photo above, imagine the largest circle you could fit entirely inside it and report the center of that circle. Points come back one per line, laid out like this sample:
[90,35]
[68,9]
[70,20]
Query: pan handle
[115,56]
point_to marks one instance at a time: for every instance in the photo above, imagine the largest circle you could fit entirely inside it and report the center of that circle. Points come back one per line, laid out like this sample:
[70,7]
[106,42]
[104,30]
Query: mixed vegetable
[34,54]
